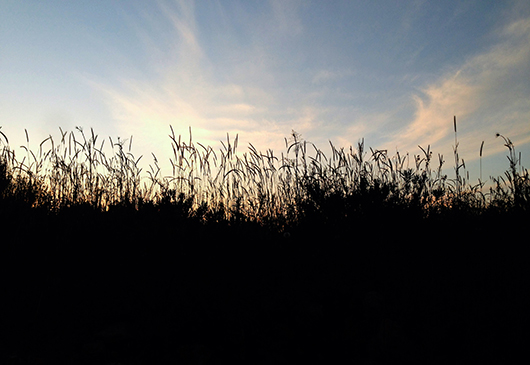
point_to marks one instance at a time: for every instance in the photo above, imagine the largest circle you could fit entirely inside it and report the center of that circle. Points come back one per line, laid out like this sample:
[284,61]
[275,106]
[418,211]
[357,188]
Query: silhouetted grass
[277,191]
[254,256]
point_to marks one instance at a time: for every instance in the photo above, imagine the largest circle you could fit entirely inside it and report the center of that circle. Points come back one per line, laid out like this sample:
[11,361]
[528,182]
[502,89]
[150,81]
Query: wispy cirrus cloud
[184,88]
[251,82]
[488,94]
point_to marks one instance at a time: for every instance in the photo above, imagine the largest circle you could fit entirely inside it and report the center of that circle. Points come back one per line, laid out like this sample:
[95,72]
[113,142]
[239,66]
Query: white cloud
[184,93]
[488,94]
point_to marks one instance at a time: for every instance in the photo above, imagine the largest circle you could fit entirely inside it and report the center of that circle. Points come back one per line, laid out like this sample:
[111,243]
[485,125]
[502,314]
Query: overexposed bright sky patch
[393,73]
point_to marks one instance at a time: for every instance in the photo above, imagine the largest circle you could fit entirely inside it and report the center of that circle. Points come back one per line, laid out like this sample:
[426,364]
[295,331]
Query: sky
[393,73]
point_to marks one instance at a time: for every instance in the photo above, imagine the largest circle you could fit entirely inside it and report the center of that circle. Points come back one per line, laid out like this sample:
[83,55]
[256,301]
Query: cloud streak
[488,94]
[252,92]
[187,90]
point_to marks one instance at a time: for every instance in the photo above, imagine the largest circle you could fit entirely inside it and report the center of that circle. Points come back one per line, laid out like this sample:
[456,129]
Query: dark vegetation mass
[257,258]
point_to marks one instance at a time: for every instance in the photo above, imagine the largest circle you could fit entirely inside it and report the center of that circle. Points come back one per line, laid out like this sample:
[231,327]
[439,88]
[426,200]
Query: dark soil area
[130,289]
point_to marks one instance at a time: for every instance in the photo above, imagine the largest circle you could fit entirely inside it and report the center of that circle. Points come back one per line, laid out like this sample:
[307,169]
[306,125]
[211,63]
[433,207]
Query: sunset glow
[393,74]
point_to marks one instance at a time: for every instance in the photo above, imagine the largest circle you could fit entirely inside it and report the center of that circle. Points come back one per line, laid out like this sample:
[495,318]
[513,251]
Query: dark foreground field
[137,290]
[352,259]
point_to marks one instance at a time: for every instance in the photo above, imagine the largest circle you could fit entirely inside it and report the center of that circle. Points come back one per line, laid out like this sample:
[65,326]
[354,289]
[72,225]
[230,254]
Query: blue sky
[392,72]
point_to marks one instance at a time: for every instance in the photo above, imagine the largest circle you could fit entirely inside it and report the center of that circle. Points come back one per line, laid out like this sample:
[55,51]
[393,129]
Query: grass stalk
[300,183]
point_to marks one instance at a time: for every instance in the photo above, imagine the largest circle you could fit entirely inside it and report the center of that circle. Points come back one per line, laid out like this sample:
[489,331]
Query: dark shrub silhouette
[256,257]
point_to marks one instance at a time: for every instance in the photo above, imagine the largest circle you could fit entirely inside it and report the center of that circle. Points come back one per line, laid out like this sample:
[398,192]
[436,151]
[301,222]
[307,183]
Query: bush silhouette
[254,256]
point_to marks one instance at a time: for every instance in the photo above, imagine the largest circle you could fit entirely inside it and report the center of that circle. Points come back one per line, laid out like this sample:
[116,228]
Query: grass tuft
[279,192]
